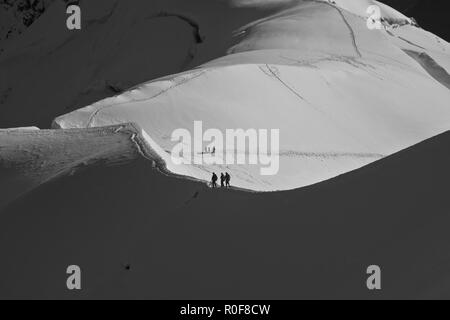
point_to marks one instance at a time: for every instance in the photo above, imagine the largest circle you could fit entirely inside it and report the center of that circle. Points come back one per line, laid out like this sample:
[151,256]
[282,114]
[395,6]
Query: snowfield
[341,95]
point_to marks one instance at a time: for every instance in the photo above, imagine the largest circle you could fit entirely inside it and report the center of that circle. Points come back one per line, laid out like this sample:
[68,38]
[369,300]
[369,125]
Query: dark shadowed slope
[139,234]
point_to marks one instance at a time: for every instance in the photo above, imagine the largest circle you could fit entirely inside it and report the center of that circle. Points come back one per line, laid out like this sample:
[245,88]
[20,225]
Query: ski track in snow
[305,154]
[283,82]
[328,155]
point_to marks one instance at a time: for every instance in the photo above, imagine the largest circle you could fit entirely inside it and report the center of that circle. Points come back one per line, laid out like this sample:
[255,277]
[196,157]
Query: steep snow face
[341,95]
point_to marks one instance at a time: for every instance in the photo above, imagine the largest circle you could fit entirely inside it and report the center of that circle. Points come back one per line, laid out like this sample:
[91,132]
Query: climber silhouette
[227,179]
[222,180]
[214,180]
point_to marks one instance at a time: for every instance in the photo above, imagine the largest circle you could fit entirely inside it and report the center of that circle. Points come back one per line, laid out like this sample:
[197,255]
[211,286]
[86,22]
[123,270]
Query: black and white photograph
[224,155]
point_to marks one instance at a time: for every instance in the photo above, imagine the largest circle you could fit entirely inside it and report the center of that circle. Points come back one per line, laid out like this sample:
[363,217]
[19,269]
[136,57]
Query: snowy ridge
[321,94]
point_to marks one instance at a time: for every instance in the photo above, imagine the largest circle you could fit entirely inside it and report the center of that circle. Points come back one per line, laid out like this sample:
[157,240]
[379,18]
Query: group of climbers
[225,179]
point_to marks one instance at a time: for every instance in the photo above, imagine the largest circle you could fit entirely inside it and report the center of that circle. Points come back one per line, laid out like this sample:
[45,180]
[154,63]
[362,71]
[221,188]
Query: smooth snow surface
[341,95]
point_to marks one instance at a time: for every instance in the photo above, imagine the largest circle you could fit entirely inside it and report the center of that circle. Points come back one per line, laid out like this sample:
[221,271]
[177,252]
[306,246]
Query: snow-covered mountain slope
[138,234]
[341,95]
[49,70]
